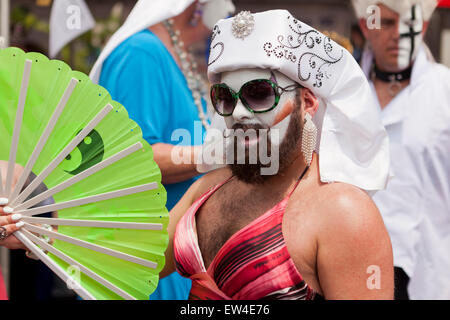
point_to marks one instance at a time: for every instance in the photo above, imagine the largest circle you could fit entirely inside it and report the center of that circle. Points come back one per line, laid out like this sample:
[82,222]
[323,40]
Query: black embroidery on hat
[212,49]
[279,51]
[287,46]
[215,32]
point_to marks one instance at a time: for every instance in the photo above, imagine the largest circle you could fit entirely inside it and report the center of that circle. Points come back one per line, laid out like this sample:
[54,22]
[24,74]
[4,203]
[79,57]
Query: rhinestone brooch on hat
[243,24]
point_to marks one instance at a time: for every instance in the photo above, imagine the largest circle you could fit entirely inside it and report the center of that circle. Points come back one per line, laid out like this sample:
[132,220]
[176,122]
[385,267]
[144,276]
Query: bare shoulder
[348,199]
[338,212]
[347,209]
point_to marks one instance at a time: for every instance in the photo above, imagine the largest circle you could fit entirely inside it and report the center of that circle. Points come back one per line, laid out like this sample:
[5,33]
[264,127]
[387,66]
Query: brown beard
[289,148]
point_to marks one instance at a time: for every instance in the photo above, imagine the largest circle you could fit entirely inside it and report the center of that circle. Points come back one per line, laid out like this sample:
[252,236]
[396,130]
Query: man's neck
[387,91]
[160,31]
[384,90]
[388,76]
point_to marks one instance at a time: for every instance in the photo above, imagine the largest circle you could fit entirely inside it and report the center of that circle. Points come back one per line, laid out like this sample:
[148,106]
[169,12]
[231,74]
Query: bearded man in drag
[309,229]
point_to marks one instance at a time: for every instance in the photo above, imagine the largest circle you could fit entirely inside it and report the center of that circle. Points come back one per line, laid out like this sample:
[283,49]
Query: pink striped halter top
[253,264]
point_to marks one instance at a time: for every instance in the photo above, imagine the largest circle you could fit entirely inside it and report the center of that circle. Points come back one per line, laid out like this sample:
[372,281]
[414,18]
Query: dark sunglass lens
[259,95]
[222,99]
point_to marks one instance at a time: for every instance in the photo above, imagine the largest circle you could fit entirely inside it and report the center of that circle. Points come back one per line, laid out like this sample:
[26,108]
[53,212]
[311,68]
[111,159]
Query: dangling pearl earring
[309,137]
[198,13]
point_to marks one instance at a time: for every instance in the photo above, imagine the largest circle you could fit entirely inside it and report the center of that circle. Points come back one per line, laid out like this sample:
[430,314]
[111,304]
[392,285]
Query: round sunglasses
[258,96]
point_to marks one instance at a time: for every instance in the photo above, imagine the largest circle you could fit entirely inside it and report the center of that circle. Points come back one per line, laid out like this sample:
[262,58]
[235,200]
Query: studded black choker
[392,76]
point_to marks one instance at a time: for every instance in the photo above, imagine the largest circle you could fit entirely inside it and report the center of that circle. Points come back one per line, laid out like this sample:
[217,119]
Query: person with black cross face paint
[413,92]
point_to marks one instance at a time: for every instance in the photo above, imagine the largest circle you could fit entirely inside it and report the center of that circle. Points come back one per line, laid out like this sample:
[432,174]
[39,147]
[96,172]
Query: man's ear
[363,26]
[309,101]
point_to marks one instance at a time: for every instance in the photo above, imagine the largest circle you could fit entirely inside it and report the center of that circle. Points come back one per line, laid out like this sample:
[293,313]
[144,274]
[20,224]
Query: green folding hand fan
[95,174]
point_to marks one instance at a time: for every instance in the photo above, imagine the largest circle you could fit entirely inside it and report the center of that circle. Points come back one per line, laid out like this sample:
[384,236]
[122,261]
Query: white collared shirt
[416,204]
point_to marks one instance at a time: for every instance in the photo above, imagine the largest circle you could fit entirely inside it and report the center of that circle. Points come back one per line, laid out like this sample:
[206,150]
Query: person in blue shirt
[144,67]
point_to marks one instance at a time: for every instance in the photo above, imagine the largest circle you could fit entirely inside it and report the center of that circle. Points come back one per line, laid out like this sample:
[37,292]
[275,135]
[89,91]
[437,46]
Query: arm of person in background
[135,78]
[172,172]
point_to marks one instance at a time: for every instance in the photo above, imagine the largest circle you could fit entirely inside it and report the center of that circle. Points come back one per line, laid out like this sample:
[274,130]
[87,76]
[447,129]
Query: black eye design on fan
[87,154]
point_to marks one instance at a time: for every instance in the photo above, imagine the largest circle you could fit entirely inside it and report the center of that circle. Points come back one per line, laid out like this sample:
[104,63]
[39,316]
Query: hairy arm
[354,253]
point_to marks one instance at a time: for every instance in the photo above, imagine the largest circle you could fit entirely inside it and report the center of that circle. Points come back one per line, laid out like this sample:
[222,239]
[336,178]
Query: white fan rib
[91,246]
[87,200]
[44,137]
[88,272]
[17,126]
[95,223]
[62,155]
[81,291]
[82,175]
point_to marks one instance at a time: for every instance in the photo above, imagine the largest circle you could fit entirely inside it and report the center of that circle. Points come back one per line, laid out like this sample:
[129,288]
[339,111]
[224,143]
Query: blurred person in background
[414,98]
[358,41]
[146,67]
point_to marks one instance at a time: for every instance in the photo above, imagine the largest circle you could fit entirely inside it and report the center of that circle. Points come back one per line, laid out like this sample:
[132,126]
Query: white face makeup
[411,37]
[271,119]
[214,10]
